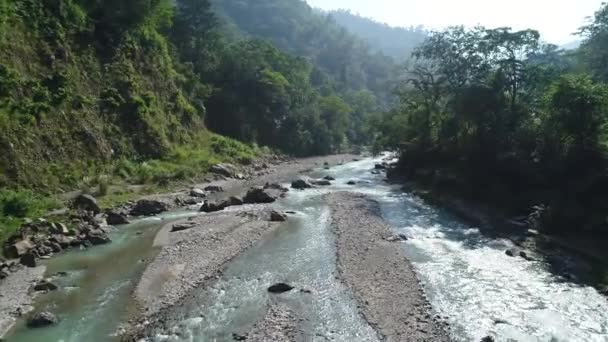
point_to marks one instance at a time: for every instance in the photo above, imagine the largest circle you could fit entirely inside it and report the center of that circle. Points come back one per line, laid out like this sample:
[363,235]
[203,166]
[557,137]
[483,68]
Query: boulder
[276,216]
[42,319]
[488,339]
[239,337]
[329,178]
[214,188]
[45,286]
[18,249]
[376,172]
[28,259]
[222,169]
[301,184]
[209,207]
[234,201]
[87,202]
[258,195]
[3,275]
[97,237]
[59,228]
[320,182]
[351,182]
[280,288]
[398,237]
[380,166]
[115,219]
[182,226]
[512,252]
[196,192]
[148,208]
[275,186]
[63,241]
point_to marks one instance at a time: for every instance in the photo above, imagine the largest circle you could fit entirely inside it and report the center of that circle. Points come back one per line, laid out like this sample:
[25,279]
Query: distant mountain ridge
[397,42]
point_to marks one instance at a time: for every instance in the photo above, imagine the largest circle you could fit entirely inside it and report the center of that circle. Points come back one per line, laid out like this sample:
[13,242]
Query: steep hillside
[397,42]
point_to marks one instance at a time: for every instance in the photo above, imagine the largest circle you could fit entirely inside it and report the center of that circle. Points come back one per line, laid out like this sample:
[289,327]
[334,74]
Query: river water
[466,275]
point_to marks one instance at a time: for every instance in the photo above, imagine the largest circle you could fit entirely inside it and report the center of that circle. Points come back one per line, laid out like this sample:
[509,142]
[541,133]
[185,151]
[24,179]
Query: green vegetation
[496,116]
[15,206]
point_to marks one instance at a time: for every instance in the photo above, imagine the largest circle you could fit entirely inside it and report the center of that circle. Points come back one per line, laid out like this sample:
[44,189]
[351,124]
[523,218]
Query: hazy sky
[555,19]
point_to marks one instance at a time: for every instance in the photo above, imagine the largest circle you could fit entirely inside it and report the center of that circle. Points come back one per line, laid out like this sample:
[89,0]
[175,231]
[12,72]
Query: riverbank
[378,272]
[258,173]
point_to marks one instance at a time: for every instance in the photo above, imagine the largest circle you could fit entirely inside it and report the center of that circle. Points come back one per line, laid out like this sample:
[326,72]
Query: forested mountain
[496,116]
[397,42]
[85,83]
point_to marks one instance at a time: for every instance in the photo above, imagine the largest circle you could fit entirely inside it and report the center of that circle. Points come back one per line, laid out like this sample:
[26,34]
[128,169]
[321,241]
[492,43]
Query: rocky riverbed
[372,263]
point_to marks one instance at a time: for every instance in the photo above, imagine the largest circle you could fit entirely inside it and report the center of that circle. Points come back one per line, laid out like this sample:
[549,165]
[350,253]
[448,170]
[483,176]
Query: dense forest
[397,42]
[497,116]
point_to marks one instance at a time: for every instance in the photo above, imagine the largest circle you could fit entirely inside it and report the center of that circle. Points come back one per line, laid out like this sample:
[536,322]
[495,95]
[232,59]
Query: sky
[555,19]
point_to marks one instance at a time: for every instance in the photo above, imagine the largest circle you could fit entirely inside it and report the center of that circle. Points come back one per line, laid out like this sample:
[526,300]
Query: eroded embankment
[386,287]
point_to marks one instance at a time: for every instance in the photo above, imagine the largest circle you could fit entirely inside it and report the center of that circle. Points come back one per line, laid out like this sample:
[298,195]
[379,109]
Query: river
[467,277]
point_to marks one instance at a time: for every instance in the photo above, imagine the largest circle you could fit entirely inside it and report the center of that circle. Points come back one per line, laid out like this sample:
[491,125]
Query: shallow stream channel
[468,278]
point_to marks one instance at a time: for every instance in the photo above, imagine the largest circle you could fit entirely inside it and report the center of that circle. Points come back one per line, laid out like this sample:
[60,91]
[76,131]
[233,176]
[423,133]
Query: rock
[512,252]
[222,169]
[115,219]
[329,178]
[239,337]
[326,164]
[42,319]
[320,182]
[234,201]
[87,202]
[276,216]
[376,172]
[209,207]
[351,182]
[214,188]
[183,201]
[258,195]
[97,237]
[301,184]
[148,207]
[195,192]
[18,249]
[59,228]
[280,288]
[182,226]
[487,339]
[395,238]
[63,241]
[45,285]
[380,166]
[28,259]
[3,275]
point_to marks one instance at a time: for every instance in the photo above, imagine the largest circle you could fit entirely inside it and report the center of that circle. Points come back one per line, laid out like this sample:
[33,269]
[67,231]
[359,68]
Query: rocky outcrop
[87,203]
[148,207]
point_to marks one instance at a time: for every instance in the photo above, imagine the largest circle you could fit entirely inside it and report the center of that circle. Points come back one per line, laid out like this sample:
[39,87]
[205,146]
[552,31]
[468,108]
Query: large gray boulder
[196,192]
[18,249]
[258,195]
[210,207]
[115,219]
[148,208]
[87,202]
[276,216]
[97,237]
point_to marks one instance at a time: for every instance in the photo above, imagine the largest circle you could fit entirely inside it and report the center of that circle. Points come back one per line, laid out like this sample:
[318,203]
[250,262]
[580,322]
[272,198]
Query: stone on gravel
[234,201]
[276,216]
[329,178]
[258,195]
[210,207]
[280,288]
[301,184]
[239,337]
[351,182]
[45,285]
[115,218]
[28,259]
[395,238]
[182,226]
[42,319]
[86,202]
[147,207]
[275,186]
[195,192]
